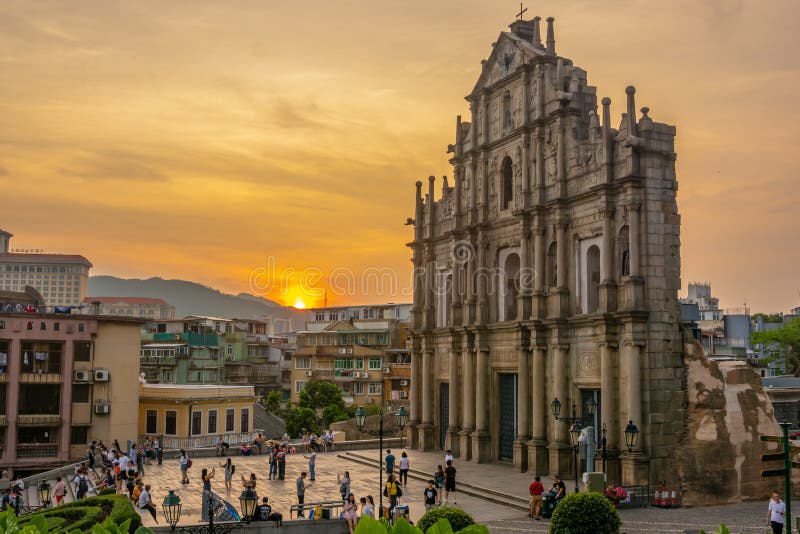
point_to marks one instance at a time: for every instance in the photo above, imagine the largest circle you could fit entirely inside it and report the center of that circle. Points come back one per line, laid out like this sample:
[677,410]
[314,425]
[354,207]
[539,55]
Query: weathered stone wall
[726,410]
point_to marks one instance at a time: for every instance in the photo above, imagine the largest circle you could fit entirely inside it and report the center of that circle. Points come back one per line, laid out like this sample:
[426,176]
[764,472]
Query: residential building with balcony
[192,416]
[62,377]
[361,349]
[61,279]
[143,307]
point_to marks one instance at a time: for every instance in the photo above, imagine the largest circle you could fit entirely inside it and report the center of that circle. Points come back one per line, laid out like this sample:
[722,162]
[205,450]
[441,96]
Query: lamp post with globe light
[171,507]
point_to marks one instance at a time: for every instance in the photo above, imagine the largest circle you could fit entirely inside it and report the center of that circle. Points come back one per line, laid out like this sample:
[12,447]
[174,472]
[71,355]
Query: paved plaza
[746,517]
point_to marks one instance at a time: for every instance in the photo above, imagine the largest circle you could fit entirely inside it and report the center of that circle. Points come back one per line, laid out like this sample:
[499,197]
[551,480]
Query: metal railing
[198,442]
[37,450]
[332,508]
[157,360]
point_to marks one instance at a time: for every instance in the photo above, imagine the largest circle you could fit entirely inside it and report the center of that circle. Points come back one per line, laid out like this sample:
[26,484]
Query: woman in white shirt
[403,469]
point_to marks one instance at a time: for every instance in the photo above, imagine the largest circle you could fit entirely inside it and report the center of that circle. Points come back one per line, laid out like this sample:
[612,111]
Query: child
[60,490]
[430,495]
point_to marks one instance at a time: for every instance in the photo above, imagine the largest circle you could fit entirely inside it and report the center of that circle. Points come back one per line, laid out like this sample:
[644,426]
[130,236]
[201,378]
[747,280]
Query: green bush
[585,513]
[458,518]
[107,491]
[84,514]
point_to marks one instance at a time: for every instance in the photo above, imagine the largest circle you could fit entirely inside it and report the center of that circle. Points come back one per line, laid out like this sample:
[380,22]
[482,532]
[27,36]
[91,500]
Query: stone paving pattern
[745,517]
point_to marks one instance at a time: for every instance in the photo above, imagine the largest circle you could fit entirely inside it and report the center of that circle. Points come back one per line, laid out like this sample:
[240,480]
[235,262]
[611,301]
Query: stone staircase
[466,487]
[67,473]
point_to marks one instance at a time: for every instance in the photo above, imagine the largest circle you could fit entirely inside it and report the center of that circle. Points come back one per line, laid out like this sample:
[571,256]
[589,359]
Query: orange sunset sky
[196,139]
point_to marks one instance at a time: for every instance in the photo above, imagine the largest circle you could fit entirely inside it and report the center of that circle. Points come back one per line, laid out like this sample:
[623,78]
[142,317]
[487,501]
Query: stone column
[526,142]
[12,400]
[426,441]
[538,301]
[560,448]
[633,229]
[482,309]
[468,392]
[537,448]
[525,274]
[414,401]
[454,313]
[453,429]
[480,438]
[559,297]
[635,464]
[468,316]
[523,410]
[609,405]
[608,288]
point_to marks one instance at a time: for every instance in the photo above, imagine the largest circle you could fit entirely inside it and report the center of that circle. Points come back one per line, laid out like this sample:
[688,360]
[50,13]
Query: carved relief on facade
[588,366]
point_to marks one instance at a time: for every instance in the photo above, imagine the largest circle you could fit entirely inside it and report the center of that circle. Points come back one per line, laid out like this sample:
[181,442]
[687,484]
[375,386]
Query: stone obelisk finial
[630,91]
[551,39]
[537,33]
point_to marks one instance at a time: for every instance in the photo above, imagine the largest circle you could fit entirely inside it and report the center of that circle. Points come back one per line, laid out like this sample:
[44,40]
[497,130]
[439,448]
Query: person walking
[430,496]
[146,503]
[302,486]
[438,482]
[184,467]
[230,469]
[60,491]
[81,485]
[389,462]
[140,457]
[536,489]
[448,457]
[344,484]
[312,461]
[450,482]
[776,513]
[404,469]
[351,512]
[393,492]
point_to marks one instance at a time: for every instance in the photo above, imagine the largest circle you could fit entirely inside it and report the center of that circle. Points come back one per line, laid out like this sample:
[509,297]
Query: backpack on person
[188,463]
[233,469]
[83,484]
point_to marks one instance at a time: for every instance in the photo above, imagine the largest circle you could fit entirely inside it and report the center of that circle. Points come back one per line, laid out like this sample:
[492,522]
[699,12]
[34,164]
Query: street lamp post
[171,507]
[401,419]
[574,432]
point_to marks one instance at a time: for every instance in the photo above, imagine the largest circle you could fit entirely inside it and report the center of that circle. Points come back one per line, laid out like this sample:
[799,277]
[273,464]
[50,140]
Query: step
[486,494]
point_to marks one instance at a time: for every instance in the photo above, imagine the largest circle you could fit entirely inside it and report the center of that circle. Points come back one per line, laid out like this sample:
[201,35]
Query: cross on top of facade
[521,11]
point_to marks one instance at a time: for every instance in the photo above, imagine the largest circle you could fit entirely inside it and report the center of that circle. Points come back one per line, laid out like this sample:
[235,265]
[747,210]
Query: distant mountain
[191,298]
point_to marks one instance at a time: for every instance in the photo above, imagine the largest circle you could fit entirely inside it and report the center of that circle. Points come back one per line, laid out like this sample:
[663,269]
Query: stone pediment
[509,52]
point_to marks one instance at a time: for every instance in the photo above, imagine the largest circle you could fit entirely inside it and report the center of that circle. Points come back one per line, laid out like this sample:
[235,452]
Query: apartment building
[61,279]
[361,349]
[64,381]
[144,307]
[210,350]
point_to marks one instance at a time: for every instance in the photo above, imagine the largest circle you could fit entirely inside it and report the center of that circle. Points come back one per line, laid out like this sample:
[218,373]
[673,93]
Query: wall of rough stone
[726,410]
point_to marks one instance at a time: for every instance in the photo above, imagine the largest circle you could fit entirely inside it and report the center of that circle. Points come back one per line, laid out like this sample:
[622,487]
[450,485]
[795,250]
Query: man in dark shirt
[264,510]
[389,462]
[430,496]
[450,482]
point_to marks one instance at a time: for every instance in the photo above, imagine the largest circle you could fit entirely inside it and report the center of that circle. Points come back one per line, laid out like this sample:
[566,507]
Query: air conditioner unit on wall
[83,376]
[404,382]
[101,375]
[309,373]
[102,408]
[404,394]
[387,370]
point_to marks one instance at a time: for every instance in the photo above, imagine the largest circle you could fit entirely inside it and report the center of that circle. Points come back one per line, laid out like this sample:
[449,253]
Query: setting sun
[299,304]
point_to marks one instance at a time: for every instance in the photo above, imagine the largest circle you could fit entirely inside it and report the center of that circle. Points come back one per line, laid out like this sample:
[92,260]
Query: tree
[782,343]
[319,395]
[301,419]
[585,513]
[334,414]
[272,402]
[768,317]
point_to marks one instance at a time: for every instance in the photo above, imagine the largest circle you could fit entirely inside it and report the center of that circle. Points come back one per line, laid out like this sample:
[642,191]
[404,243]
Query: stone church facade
[549,269]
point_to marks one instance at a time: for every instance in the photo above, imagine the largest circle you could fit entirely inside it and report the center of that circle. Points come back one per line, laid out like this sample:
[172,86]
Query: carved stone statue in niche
[551,147]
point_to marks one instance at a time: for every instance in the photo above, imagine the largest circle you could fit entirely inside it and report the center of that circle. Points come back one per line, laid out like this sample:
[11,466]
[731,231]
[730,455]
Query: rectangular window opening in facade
[171,423]
[229,419]
[197,420]
[212,421]
[83,351]
[41,358]
[245,419]
[39,399]
[81,393]
[151,422]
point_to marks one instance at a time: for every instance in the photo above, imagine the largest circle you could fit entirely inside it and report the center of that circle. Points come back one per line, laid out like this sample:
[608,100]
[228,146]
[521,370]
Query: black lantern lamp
[555,407]
[361,416]
[43,490]
[591,407]
[631,436]
[402,419]
[171,508]
[248,500]
[575,433]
